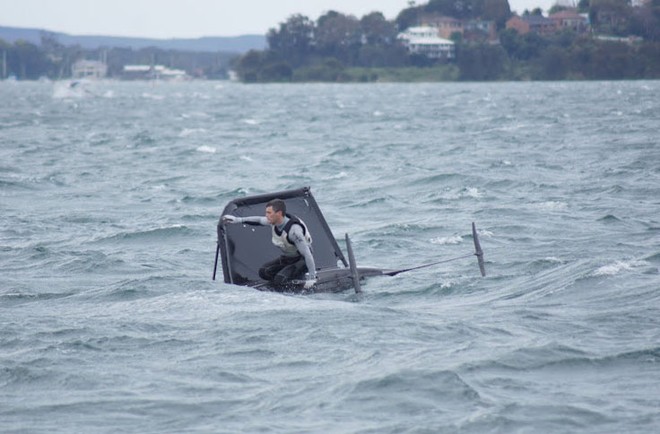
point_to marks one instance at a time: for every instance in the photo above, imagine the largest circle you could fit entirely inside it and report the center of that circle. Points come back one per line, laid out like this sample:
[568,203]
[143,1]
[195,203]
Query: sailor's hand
[309,283]
[230,219]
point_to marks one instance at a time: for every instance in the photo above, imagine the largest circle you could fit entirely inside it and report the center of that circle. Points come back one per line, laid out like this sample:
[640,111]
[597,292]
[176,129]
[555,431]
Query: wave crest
[619,267]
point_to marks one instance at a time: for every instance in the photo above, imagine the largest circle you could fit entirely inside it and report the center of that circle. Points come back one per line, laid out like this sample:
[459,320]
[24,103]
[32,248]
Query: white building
[425,41]
[156,72]
[164,73]
[89,69]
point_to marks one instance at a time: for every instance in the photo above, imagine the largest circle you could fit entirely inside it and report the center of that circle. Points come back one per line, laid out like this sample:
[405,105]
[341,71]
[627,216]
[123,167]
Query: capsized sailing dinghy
[244,248]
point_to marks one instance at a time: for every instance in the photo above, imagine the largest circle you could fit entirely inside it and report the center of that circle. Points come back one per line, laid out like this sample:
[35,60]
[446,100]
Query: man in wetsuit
[292,237]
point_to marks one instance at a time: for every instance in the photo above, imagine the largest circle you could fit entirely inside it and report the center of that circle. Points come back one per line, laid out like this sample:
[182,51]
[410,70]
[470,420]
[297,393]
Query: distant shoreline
[233,44]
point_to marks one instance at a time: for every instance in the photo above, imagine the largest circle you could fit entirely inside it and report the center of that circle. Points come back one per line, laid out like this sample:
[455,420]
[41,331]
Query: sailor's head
[275,211]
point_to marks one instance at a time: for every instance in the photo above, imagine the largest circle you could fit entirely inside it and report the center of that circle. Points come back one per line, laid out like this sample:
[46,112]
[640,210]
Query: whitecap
[189,131]
[67,90]
[456,239]
[448,284]
[485,233]
[246,158]
[199,115]
[553,259]
[251,121]
[471,192]
[618,267]
[339,175]
[152,96]
[207,149]
[552,205]
[378,113]
[200,95]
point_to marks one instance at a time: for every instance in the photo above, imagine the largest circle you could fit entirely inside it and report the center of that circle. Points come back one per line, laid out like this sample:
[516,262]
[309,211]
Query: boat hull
[328,280]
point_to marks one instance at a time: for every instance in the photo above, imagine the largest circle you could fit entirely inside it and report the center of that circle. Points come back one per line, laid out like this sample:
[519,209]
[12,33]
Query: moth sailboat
[243,248]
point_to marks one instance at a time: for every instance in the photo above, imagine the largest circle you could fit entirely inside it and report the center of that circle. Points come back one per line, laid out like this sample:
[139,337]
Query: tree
[597,60]
[612,61]
[338,35]
[522,47]
[408,18]
[581,60]
[60,56]
[649,53]
[293,40]
[456,8]
[645,21]
[564,38]
[583,6]
[277,71]
[498,11]
[380,56]
[377,30]
[30,61]
[481,62]
[5,48]
[611,16]
[556,8]
[553,64]
[249,65]
[329,69]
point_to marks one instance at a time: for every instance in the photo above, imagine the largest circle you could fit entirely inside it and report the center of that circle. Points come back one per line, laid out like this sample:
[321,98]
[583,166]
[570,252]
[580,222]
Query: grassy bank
[437,73]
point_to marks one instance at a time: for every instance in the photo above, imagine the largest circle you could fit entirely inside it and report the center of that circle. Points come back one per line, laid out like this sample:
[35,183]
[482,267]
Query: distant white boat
[72,89]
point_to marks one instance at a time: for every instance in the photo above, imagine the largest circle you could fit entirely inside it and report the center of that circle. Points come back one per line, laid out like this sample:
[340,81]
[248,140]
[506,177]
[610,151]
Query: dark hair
[277,205]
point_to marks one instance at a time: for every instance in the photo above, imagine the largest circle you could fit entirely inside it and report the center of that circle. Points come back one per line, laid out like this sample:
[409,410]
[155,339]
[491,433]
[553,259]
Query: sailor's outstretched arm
[252,220]
[296,235]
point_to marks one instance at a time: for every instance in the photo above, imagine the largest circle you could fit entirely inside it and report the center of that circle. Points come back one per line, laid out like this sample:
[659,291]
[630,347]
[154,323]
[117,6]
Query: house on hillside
[89,69]
[473,30]
[610,20]
[446,26]
[570,19]
[480,31]
[531,23]
[425,41]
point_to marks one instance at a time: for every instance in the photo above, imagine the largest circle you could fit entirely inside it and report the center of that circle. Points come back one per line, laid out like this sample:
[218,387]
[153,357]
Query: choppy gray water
[109,197]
